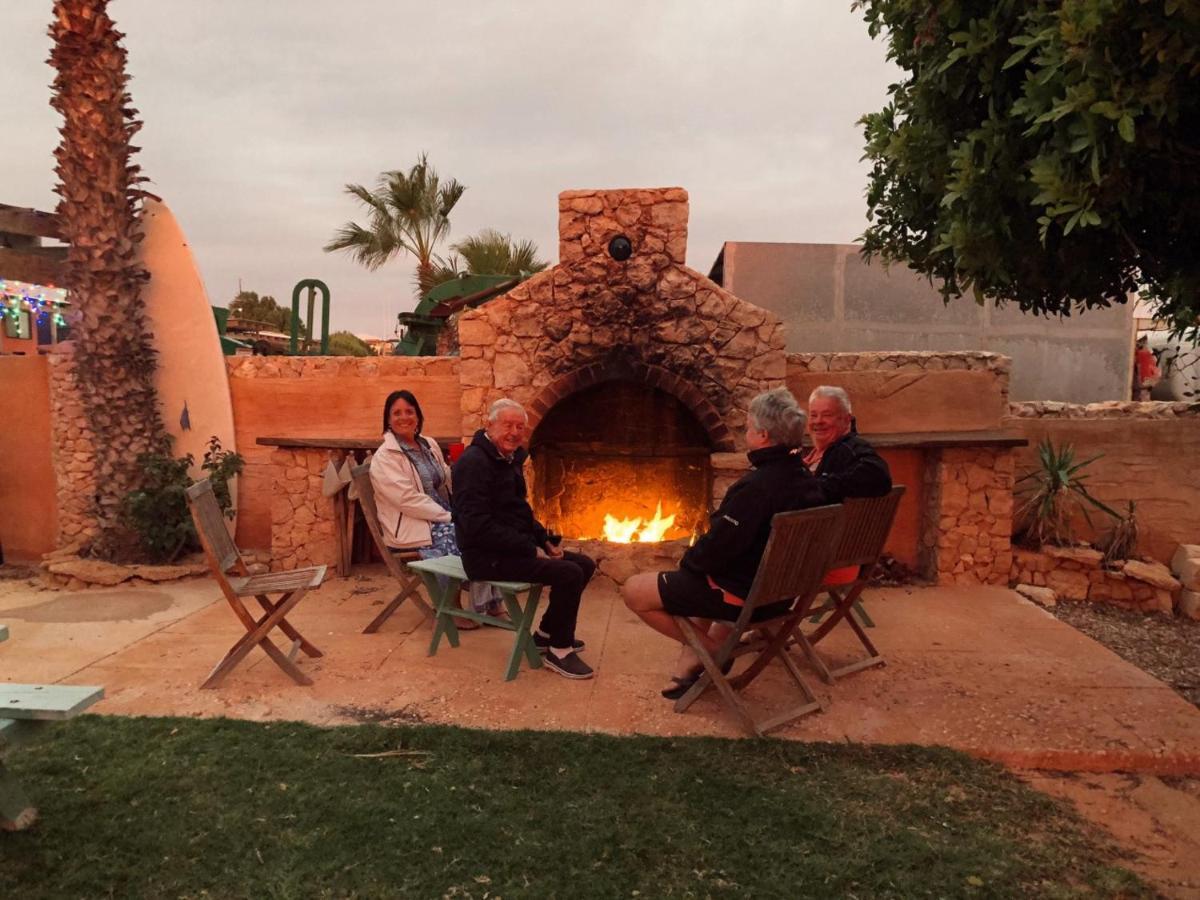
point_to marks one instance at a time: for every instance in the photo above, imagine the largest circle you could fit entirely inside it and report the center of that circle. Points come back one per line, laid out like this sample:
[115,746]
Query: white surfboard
[192,381]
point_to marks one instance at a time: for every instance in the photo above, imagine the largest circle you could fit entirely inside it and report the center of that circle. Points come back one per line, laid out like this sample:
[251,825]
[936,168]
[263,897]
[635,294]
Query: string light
[41,302]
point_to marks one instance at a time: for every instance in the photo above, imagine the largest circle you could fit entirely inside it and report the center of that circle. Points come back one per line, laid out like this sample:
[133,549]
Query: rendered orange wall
[1154,462]
[28,509]
[904,541]
[336,403]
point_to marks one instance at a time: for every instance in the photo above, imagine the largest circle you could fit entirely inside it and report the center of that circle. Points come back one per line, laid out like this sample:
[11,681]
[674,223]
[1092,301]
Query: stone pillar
[73,452]
[966,534]
[301,515]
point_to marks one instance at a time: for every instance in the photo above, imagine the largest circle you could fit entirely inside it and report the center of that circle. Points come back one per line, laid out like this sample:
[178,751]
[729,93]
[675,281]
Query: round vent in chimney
[619,248]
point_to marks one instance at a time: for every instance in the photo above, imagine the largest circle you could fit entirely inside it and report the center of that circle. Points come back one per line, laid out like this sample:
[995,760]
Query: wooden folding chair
[796,558]
[223,557]
[867,524]
[395,560]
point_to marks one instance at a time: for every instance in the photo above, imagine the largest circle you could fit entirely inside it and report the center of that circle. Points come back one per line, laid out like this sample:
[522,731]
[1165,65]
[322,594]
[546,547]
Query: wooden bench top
[451,567]
[46,702]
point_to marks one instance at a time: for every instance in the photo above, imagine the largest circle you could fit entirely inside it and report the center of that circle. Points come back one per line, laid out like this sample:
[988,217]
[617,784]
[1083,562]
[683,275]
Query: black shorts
[687,593]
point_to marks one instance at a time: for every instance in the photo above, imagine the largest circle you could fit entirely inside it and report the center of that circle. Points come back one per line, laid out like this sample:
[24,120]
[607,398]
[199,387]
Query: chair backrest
[361,476]
[868,520]
[797,555]
[210,526]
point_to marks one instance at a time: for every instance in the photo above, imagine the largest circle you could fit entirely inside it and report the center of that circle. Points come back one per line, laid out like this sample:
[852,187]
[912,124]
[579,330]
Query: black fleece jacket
[731,550]
[850,467]
[492,518]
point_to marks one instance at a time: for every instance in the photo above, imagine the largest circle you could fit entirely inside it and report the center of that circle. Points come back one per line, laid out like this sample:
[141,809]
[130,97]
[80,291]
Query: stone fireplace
[635,369]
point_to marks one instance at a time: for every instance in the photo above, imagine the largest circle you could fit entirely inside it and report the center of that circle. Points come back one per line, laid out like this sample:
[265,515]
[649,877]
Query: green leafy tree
[343,343]
[408,212]
[1045,153]
[490,253]
[249,305]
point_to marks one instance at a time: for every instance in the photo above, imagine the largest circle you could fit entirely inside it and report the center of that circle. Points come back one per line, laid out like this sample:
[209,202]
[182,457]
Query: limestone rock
[170,573]
[1068,585]
[92,571]
[1043,596]
[1152,573]
[1085,556]
[1186,565]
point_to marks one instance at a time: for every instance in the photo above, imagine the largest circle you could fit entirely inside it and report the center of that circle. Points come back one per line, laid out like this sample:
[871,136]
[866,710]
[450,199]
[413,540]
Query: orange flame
[625,531]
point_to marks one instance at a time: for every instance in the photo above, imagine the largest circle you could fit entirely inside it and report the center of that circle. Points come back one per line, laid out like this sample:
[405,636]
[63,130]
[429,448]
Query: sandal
[684,684]
[497,611]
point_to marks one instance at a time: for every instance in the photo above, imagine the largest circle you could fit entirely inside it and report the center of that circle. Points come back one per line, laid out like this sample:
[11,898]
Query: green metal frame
[313,285]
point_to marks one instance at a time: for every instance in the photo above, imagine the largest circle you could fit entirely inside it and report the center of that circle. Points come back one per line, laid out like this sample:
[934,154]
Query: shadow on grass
[156,808]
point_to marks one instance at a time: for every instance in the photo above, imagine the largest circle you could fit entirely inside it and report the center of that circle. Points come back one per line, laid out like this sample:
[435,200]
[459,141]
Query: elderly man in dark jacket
[500,540]
[716,573]
[844,463]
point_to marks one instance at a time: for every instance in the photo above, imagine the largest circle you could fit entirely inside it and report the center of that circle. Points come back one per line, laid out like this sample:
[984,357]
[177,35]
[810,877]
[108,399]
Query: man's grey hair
[500,406]
[780,416]
[830,392]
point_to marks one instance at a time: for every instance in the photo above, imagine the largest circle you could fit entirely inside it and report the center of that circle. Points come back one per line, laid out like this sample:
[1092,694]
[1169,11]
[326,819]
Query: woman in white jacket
[412,489]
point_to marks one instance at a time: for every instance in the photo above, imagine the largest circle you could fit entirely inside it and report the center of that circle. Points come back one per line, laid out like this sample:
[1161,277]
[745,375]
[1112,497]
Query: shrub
[158,511]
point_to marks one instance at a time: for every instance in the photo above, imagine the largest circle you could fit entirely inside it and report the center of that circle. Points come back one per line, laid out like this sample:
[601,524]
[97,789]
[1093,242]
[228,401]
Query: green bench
[443,577]
[25,709]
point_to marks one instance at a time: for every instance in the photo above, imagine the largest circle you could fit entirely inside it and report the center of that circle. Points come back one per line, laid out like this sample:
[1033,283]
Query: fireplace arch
[621,448]
[720,438]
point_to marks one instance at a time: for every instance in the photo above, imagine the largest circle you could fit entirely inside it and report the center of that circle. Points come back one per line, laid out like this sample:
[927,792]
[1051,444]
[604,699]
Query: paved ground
[977,669]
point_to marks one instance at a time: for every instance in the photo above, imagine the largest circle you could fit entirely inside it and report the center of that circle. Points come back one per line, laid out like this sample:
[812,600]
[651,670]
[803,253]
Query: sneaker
[543,643]
[569,666]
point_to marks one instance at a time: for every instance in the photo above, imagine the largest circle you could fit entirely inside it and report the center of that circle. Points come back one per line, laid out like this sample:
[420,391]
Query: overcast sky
[257,114]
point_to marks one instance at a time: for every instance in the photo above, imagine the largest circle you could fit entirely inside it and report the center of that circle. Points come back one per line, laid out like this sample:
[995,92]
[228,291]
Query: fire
[626,531]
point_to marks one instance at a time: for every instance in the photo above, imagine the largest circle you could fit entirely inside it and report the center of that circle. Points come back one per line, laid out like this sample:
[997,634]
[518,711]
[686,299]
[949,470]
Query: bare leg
[641,595]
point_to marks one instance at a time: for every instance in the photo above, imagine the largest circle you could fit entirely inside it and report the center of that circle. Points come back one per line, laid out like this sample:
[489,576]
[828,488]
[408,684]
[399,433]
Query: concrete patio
[978,669]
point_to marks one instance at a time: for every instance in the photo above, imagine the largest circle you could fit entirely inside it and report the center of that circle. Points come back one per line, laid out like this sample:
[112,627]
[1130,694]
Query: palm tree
[408,212]
[99,215]
[493,253]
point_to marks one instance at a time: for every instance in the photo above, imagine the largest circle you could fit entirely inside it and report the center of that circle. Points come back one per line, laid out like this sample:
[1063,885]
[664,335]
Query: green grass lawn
[163,808]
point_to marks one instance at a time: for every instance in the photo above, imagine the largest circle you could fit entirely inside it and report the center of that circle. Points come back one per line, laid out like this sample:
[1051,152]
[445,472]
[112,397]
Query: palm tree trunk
[98,207]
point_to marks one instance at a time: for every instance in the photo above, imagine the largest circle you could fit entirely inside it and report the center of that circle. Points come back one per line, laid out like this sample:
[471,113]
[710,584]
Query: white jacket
[405,510]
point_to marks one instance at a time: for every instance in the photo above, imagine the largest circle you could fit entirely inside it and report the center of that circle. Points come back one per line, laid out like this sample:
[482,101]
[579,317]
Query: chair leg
[260,636]
[409,591]
[714,676]
[523,622]
[287,628]
[17,812]
[814,658]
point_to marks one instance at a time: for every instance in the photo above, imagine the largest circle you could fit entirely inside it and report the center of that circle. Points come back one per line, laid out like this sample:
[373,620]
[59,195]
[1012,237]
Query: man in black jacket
[844,463]
[500,540]
[716,573]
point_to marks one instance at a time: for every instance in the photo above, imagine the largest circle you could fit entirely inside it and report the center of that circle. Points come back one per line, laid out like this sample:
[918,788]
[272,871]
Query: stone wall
[324,397]
[593,317]
[832,300]
[28,519]
[967,538]
[1078,573]
[1147,454]
[302,526]
[73,452]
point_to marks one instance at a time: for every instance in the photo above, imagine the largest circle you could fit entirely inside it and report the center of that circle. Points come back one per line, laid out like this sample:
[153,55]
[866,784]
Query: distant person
[716,573]
[1146,373]
[502,541]
[412,491]
[845,464]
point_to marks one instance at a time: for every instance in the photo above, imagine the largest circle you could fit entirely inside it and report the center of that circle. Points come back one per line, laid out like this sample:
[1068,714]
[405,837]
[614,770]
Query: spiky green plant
[1053,493]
